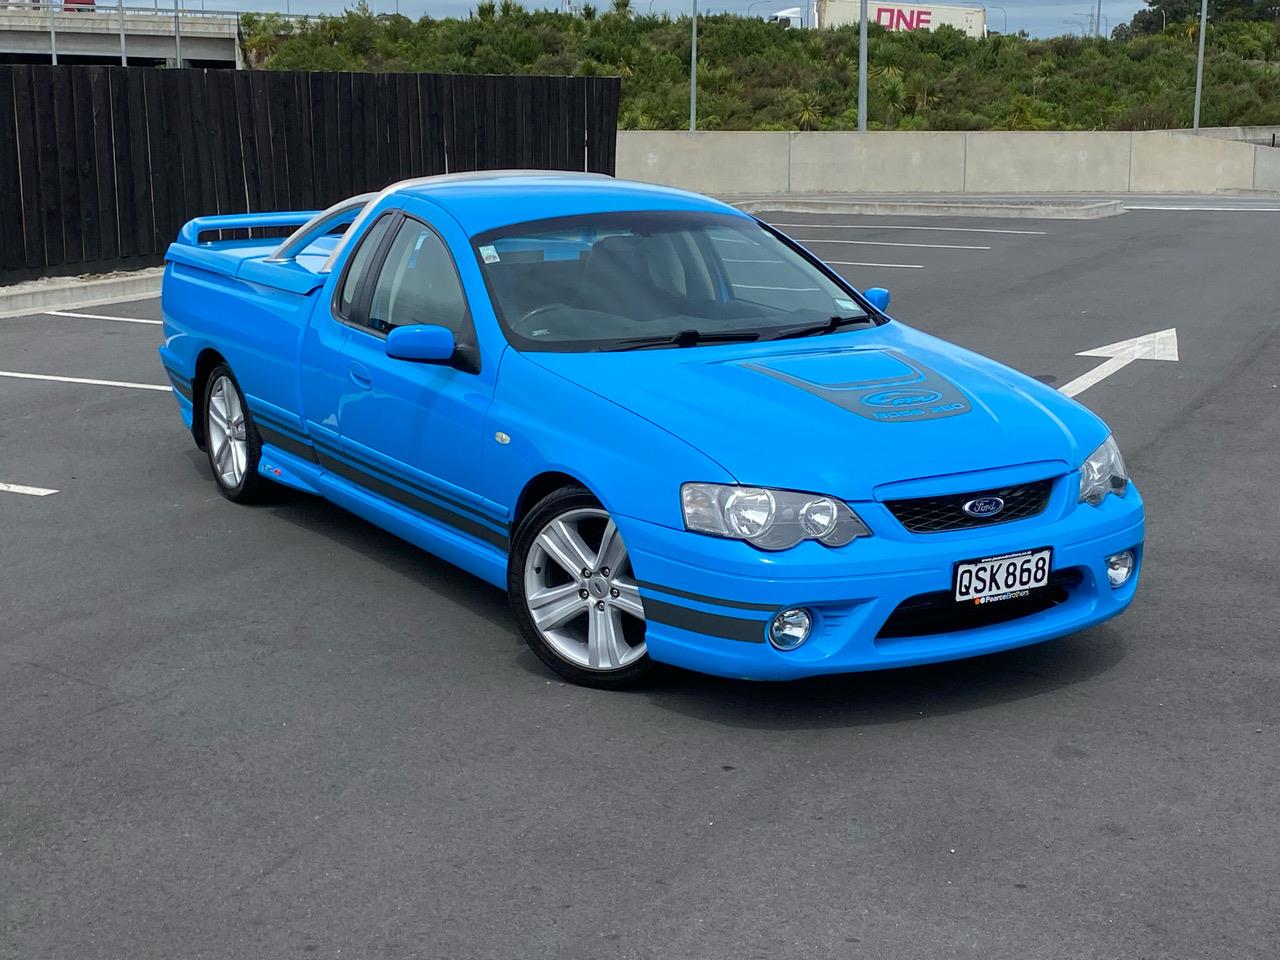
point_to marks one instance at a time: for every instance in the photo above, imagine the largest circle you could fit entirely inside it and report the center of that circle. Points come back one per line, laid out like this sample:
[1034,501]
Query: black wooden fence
[100,166]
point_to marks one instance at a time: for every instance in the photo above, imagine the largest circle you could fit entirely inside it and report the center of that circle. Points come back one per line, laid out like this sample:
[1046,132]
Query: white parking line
[100,316]
[890,243]
[93,383]
[894,226]
[1128,206]
[753,286]
[26,491]
[856,263]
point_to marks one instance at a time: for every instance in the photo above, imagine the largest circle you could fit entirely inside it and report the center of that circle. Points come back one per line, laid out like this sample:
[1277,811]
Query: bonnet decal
[919,394]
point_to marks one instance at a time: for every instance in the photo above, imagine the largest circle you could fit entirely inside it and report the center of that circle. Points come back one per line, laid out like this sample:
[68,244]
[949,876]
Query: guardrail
[168,17]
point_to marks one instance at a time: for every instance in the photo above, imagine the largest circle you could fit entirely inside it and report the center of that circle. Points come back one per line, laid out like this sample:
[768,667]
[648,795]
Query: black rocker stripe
[375,470]
[414,502]
[714,601]
[287,438]
[180,383]
[286,442]
[712,624]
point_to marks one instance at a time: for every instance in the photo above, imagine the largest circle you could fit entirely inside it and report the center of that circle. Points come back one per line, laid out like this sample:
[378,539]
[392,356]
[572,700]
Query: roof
[487,199]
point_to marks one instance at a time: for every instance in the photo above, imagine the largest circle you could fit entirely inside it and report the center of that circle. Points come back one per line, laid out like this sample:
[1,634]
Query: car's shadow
[882,696]
[892,696]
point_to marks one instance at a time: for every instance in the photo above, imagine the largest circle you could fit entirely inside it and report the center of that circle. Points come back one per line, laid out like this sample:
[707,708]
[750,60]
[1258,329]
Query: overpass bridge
[57,32]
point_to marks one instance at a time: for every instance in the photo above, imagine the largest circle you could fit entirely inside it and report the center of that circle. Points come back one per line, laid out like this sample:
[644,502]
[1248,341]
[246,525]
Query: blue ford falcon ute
[672,434]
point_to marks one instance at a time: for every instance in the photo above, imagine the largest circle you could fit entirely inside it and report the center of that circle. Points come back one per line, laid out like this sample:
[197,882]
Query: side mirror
[878,297]
[424,342]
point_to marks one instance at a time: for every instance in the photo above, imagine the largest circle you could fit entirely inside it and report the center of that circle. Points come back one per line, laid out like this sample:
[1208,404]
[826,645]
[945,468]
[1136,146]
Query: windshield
[627,280]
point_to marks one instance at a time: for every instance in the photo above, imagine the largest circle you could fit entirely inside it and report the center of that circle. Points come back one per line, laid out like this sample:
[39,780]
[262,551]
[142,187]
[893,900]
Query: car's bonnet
[843,414]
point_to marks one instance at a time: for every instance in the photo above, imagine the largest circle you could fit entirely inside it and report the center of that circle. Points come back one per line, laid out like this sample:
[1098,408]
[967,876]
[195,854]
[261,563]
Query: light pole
[1195,114]
[1004,28]
[862,67]
[53,38]
[1098,19]
[177,35]
[124,53]
[756,3]
[693,72]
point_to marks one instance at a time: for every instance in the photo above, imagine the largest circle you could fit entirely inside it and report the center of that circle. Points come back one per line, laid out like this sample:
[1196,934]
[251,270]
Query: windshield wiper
[685,338]
[831,326]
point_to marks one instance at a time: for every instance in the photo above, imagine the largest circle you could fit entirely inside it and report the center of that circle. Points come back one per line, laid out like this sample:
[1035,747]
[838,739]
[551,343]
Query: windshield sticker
[847,305]
[489,254]
[919,394]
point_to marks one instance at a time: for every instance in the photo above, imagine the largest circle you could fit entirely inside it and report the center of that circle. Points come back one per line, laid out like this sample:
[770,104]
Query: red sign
[892,18]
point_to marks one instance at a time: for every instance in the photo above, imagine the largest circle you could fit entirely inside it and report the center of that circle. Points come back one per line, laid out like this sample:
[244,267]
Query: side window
[359,263]
[418,283]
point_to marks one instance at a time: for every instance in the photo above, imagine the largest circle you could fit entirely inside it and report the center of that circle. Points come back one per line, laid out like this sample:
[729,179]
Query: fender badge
[501,437]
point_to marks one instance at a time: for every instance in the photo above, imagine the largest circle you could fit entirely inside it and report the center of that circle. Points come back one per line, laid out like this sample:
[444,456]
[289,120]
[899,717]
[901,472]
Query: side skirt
[484,560]
[481,559]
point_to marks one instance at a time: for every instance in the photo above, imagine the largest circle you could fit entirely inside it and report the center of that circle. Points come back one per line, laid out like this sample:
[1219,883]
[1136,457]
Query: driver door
[411,431]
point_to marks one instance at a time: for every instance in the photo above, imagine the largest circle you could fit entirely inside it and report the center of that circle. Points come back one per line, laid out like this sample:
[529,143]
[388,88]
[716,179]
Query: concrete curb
[912,208]
[66,293]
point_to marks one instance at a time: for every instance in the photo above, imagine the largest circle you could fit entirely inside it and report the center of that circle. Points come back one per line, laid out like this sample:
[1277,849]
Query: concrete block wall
[877,162]
[946,162]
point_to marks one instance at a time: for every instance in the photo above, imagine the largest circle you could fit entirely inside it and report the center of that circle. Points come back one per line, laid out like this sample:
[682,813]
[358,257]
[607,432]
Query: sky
[1038,19]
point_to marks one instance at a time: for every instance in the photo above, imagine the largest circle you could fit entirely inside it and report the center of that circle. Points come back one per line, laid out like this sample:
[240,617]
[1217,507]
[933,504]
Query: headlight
[1103,473]
[769,519]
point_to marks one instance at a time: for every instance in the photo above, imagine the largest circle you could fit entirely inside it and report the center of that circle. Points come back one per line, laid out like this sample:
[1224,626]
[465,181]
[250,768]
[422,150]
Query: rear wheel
[231,439]
[574,593]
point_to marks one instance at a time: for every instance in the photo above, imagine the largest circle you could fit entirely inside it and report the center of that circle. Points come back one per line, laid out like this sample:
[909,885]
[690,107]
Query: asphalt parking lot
[280,732]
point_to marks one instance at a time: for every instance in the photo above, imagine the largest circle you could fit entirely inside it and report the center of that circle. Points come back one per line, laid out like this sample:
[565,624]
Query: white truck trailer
[891,16]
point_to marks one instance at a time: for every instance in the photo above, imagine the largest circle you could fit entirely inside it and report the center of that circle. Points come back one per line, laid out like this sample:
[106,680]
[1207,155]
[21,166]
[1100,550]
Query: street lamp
[862,68]
[1195,114]
[756,3]
[693,72]
[1004,24]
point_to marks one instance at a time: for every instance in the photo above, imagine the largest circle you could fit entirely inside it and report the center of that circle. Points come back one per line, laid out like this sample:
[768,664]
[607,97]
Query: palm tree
[622,8]
[807,111]
[1267,48]
[893,97]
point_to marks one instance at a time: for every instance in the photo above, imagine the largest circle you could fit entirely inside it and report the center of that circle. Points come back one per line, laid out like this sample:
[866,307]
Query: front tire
[574,594]
[232,443]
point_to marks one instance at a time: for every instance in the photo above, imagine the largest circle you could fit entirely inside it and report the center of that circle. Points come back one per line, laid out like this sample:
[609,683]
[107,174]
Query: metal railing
[175,10]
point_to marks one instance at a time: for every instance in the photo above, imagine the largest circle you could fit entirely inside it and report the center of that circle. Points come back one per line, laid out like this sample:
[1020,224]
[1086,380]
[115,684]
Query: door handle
[360,376]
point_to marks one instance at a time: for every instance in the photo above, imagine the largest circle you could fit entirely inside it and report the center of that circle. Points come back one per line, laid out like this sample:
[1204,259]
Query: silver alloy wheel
[228,441]
[581,594]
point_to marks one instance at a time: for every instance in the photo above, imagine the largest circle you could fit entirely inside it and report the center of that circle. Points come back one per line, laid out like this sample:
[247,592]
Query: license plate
[1006,577]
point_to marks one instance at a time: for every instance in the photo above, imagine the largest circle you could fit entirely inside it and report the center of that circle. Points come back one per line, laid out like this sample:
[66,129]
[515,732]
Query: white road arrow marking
[1161,345]
[28,491]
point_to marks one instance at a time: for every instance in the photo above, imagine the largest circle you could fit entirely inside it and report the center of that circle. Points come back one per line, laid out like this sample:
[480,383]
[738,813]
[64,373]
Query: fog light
[790,628]
[1120,568]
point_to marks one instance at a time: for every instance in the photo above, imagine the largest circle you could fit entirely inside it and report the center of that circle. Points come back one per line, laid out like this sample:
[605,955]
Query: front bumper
[708,601]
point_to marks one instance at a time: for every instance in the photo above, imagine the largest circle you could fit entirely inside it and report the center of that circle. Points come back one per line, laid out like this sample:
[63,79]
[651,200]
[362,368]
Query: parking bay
[257,731]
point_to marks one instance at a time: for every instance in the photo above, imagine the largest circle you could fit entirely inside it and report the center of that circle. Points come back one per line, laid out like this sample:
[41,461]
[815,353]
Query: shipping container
[892,16]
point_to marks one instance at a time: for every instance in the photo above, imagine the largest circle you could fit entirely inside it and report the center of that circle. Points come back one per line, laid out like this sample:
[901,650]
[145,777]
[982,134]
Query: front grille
[940,514]
[930,613]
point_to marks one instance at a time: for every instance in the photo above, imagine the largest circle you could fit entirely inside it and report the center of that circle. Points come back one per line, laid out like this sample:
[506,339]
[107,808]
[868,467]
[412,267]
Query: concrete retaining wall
[946,162]
[1241,133]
